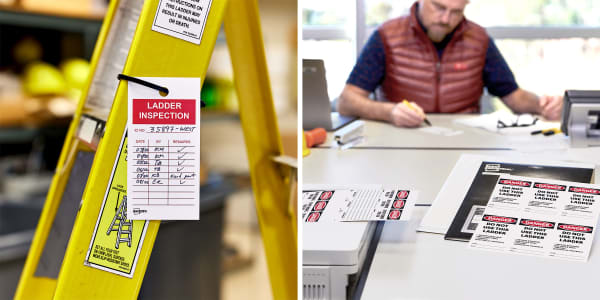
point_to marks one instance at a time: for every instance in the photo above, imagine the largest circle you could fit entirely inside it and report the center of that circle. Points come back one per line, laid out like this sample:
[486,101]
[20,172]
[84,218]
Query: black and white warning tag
[508,193]
[571,241]
[582,201]
[546,196]
[541,217]
[494,232]
[183,19]
[532,236]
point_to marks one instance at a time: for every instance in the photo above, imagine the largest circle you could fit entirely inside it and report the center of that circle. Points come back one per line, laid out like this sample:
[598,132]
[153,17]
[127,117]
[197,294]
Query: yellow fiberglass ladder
[91,175]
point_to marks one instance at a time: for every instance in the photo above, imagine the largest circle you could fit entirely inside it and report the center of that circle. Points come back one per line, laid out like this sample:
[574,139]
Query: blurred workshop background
[535,37]
[45,49]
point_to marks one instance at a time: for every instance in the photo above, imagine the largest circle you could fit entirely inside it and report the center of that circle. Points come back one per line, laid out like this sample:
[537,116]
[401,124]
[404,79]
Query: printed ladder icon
[121,216]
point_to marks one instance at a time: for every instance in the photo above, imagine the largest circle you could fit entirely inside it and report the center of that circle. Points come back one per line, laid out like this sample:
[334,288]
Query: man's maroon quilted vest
[413,70]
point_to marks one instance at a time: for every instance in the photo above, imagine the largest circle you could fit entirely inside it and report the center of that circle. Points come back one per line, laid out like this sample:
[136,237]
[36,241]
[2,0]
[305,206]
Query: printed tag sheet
[540,217]
[387,204]
[359,203]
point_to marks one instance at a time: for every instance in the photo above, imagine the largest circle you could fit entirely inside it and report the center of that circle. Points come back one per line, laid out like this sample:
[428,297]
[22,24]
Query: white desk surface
[423,170]
[411,265]
[380,134]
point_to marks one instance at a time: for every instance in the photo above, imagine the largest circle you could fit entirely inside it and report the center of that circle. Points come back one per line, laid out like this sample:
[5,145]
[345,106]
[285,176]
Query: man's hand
[550,107]
[354,101]
[404,116]
[522,101]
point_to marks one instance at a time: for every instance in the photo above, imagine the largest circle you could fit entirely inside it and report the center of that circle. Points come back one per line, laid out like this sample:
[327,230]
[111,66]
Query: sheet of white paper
[489,122]
[164,150]
[445,131]
[485,121]
[447,202]
[539,217]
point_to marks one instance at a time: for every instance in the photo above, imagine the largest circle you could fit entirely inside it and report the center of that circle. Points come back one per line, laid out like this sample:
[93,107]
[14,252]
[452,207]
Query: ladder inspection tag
[117,240]
[164,165]
[182,19]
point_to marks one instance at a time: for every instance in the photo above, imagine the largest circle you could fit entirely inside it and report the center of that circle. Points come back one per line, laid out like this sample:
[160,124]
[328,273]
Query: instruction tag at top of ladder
[163,165]
[183,19]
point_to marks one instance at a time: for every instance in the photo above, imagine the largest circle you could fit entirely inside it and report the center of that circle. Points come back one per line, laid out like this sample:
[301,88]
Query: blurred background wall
[550,45]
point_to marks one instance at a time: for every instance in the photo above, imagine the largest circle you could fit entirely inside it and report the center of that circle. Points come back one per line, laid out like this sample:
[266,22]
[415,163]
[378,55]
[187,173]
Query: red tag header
[550,186]
[499,219]
[584,190]
[579,228]
[535,223]
[164,111]
[515,182]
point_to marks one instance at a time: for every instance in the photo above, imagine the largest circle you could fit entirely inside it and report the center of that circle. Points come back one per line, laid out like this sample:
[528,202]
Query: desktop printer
[334,254]
[581,118]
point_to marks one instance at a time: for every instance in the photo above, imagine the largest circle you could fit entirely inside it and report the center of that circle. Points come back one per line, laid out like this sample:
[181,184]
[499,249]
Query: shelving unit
[87,25]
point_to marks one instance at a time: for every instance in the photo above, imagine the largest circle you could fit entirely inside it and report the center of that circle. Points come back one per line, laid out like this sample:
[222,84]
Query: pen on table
[547,132]
[413,108]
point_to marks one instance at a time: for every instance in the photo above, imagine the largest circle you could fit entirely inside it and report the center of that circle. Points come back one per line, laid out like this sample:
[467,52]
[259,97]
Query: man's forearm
[356,103]
[522,101]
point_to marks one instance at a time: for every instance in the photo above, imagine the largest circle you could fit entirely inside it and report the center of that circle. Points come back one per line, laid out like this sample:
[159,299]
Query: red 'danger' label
[499,219]
[515,182]
[401,194]
[547,186]
[584,190]
[320,205]
[313,217]
[164,111]
[398,204]
[535,223]
[577,228]
[326,195]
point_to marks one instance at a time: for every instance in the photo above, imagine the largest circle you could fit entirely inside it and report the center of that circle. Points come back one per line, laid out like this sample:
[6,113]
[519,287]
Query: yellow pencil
[405,102]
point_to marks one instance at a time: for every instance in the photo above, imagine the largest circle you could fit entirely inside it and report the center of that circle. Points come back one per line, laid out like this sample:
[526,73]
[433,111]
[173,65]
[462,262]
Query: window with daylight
[550,45]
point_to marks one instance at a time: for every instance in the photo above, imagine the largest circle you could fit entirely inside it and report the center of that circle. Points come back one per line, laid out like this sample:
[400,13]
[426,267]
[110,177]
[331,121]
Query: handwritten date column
[140,160]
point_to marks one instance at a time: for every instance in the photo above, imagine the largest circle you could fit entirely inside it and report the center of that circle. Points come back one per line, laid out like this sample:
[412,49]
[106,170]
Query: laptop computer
[316,108]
